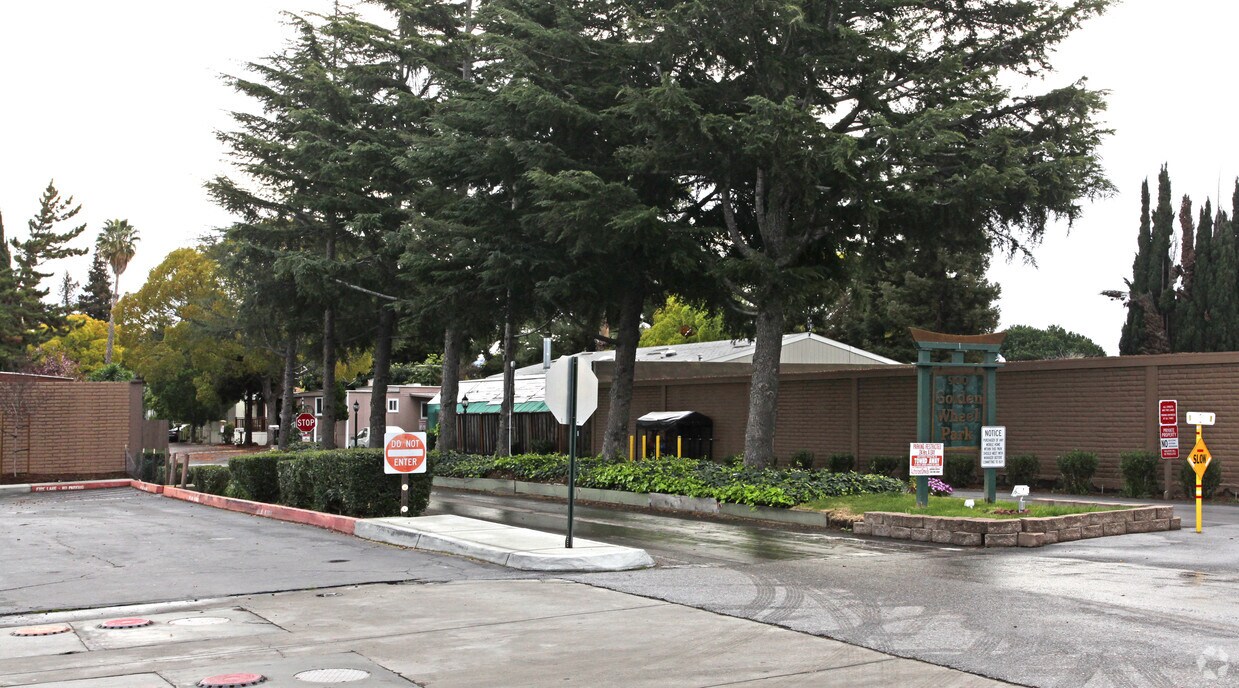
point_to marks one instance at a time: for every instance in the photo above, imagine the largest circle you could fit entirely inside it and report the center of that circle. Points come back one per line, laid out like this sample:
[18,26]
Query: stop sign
[404,452]
[306,422]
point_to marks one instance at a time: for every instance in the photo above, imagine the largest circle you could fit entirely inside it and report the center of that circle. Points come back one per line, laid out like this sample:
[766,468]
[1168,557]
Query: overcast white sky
[118,103]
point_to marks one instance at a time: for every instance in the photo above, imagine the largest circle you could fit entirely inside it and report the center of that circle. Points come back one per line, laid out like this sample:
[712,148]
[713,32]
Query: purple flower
[939,488]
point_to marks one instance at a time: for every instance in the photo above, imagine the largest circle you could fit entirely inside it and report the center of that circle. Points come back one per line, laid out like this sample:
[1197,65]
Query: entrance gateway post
[955,398]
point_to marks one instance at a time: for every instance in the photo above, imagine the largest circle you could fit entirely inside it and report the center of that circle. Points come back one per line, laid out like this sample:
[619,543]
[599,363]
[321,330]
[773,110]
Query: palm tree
[116,245]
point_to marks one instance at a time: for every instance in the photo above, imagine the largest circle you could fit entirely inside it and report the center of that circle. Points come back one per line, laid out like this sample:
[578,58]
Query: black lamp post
[464,424]
[356,410]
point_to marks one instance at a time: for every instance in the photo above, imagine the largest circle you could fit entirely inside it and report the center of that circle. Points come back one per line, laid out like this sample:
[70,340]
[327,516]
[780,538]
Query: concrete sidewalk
[518,548]
[481,633]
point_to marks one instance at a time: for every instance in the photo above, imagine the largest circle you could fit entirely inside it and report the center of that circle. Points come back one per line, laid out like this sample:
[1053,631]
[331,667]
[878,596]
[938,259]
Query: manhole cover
[200,621]
[50,629]
[232,680]
[332,675]
[133,622]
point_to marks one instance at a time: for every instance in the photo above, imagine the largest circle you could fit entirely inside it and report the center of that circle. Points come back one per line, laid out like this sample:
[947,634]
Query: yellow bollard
[632,444]
[658,446]
[643,447]
[679,446]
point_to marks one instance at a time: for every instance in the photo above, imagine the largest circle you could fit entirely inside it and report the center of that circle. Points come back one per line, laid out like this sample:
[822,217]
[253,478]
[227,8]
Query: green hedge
[1209,483]
[349,482]
[210,479]
[1077,468]
[671,475]
[1023,469]
[959,471]
[842,463]
[891,466]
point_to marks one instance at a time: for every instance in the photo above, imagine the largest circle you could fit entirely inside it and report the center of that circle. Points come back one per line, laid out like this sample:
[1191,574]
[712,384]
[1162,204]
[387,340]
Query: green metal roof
[522,407]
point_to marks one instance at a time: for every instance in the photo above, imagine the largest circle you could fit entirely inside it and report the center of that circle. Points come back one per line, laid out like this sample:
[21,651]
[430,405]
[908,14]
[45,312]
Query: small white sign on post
[925,458]
[994,446]
[1020,491]
[557,391]
[1201,418]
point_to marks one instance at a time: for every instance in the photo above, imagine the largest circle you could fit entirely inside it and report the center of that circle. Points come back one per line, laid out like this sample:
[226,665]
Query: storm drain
[200,621]
[33,631]
[132,622]
[332,675]
[231,680]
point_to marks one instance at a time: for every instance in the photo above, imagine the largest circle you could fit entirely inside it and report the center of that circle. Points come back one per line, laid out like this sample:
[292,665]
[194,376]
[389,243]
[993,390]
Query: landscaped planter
[1021,532]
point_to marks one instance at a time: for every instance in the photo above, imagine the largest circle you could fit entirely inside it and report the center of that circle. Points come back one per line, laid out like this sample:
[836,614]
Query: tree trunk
[764,384]
[382,368]
[247,436]
[449,390]
[107,353]
[614,440]
[327,425]
[286,406]
[503,434]
[268,402]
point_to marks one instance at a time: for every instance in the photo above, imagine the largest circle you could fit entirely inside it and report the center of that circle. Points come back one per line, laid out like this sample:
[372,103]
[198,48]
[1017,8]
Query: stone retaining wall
[1021,532]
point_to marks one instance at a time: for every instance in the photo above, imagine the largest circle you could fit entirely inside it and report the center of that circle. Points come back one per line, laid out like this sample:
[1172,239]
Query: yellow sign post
[1199,460]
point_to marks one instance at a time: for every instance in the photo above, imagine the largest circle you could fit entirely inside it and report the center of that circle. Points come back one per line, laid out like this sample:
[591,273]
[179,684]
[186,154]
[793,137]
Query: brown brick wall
[75,429]
[1106,405]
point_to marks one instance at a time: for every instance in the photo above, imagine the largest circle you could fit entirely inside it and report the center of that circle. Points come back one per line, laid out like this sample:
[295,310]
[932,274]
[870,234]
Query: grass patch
[857,505]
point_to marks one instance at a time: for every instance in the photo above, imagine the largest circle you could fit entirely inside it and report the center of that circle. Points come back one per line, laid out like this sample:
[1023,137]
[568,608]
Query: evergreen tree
[815,132]
[1199,301]
[1222,333]
[1131,341]
[1160,268]
[96,296]
[1187,331]
[66,291]
[18,308]
[41,320]
[1024,343]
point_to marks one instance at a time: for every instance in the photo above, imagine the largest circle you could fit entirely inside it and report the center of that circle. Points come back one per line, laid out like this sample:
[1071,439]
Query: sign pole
[404,494]
[572,363]
[991,412]
[1200,474]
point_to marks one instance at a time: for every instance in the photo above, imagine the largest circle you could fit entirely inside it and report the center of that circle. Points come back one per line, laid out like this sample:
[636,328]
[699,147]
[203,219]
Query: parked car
[363,437]
[174,432]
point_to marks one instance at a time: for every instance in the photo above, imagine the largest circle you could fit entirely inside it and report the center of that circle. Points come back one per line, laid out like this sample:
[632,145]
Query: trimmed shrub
[542,446]
[296,483]
[1077,468]
[1139,473]
[959,471]
[803,459]
[889,466]
[255,476]
[1023,469]
[210,479]
[842,463]
[1209,483]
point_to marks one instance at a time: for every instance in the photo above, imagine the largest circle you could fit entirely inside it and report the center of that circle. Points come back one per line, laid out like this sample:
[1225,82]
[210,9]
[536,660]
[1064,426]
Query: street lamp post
[356,410]
[464,424]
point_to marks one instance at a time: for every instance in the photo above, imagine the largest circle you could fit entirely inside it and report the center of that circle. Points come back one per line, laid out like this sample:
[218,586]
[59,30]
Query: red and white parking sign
[925,458]
[404,452]
[1168,411]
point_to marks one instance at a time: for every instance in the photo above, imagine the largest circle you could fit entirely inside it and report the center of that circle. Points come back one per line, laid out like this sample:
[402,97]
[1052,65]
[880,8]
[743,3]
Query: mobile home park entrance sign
[956,395]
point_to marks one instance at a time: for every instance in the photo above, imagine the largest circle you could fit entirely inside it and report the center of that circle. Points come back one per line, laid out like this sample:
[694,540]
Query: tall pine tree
[1133,341]
[1160,268]
[1223,329]
[96,296]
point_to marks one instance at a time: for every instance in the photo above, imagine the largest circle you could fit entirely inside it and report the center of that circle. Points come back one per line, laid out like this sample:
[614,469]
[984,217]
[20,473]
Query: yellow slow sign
[1200,457]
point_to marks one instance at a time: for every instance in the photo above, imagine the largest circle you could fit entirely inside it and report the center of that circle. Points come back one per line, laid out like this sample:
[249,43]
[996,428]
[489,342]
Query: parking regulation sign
[1168,411]
[925,458]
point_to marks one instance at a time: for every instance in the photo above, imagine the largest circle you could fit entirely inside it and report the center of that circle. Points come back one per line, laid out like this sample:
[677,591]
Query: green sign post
[956,394]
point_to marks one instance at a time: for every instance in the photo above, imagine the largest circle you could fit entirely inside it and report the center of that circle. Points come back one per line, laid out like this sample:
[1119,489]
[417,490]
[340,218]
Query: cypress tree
[96,297]
[1200,306]
[1187,320]
[1159,269]
[1223,330]
[1131,341]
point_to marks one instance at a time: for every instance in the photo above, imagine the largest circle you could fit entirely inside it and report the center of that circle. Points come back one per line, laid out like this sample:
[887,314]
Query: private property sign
[404,452]
[925,458]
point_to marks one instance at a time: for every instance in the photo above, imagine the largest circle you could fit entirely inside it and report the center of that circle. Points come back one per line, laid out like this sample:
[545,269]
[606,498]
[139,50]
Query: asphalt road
[1157,609]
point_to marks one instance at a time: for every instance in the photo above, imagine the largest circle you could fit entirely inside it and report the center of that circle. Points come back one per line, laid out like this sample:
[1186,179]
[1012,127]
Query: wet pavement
[1155,609]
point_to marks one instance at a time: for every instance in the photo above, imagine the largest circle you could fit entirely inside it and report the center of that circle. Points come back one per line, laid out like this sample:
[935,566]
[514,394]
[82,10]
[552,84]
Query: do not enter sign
[404,452]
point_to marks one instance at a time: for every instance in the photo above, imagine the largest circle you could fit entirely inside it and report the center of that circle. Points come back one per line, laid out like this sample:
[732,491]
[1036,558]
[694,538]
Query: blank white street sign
[557,391]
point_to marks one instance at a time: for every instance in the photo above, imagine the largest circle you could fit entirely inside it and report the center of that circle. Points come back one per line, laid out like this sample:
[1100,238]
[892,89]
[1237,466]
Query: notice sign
[994,446]
[925,458]
[1168,412]
[404,452]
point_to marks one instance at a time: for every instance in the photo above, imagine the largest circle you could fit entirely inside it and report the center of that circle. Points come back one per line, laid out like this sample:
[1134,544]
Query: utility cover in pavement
[132,622]
[34,631]
[232,680]
[332,675]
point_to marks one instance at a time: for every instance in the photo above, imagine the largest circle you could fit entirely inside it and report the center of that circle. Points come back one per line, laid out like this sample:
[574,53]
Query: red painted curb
[68,487]
[340,524]
[146,487]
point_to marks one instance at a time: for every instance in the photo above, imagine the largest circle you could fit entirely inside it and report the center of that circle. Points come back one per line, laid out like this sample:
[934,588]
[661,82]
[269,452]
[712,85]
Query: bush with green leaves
[1023,469]
[803,459]
[959,471]
[1139,470]
[255,477]
[890,466]
[841,462]
[210,479]
[1077,469]
[1209,483]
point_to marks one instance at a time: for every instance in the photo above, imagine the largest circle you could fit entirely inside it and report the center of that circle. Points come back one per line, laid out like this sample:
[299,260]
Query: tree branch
[364,290]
